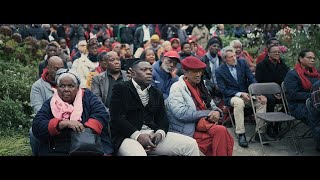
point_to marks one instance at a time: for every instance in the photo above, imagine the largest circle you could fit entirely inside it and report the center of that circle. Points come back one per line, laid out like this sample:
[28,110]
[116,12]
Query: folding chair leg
[294,139]
[262,147]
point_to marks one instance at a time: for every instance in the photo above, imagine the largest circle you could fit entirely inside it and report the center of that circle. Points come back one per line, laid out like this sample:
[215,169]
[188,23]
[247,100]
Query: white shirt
[144,97]
[146,33]
[143,94]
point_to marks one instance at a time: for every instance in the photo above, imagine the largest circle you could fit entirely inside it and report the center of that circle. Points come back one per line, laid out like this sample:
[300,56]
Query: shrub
[16,80]
[12,114]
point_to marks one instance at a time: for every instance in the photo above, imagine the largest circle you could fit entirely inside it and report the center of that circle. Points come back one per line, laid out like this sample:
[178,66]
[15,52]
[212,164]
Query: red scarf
[44,76]
[304,73]
[99,69]
[195,92]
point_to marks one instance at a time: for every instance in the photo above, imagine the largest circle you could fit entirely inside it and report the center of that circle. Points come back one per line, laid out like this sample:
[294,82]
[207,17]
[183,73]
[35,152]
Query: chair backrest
[264,88]
[286,108]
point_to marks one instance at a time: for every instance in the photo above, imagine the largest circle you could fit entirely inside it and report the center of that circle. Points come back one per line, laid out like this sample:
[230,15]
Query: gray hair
[61,73]
[225,50]
[108,55]
[236,41]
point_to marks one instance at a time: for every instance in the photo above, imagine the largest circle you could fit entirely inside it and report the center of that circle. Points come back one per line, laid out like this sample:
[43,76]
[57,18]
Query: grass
[17,144]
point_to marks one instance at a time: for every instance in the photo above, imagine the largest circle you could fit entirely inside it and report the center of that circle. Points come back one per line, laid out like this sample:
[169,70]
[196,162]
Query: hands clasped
[148,141]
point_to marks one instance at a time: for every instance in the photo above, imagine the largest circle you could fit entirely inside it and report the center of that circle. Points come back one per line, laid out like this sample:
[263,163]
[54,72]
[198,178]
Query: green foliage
[12,114]
[15,144]
[16,79]
[297,41]
[253,51]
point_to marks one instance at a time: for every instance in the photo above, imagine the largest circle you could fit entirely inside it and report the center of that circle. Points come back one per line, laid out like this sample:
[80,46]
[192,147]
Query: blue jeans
[35,144]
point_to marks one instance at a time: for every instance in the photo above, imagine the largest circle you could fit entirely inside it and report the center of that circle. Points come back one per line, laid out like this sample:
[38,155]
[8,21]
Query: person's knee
[221,129]
[238,103]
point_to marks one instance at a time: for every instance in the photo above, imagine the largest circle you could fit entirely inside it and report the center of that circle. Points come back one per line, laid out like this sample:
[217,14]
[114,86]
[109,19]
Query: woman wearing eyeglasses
[298,83]
[272,69]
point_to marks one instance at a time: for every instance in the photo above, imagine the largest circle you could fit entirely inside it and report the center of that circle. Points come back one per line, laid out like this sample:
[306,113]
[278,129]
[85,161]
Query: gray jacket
[40,92]
[181,109]
[100,85]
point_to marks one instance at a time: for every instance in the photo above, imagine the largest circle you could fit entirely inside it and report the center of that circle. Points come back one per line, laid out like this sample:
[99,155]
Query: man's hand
[129,73]
[174,72]
[214,116]
[145,141]
[156,138]
[262,99]
[245,97]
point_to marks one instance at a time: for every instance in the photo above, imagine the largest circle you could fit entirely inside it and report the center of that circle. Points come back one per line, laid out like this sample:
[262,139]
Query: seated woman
[298,83]
[243,54]
[70,109]
[188,102]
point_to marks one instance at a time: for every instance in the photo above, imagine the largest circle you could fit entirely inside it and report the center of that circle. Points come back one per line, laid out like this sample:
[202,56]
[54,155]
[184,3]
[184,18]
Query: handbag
[203,125]
[85,143]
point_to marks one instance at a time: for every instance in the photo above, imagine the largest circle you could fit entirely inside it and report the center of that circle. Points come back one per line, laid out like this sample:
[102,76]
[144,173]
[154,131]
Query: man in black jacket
[139,122]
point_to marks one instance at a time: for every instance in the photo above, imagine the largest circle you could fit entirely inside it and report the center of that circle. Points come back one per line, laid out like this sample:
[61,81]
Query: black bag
[86,143]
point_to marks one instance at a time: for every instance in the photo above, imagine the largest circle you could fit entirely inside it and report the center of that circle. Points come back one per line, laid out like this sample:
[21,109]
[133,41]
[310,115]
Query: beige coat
[202,35]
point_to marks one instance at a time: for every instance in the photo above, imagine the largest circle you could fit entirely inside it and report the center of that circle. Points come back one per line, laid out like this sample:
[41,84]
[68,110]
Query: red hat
[192,39]
[192,62]
[172,54]
[114,44]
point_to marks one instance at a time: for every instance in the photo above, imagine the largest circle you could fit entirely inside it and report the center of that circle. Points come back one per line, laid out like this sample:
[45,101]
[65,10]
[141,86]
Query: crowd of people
[152,84]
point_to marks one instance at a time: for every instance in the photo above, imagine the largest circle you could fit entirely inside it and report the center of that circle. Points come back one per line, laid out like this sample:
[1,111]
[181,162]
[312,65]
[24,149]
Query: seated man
[164,72]
[188,102]
[213,60]
[234,78]
[69,109]
[139,123]
[103,83]
[42,90]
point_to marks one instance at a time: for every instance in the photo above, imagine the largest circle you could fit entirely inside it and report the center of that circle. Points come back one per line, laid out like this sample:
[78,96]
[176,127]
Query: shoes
[263,137]
[242,140]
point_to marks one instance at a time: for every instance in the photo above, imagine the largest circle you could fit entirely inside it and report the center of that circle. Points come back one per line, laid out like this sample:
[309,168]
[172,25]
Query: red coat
[262,56]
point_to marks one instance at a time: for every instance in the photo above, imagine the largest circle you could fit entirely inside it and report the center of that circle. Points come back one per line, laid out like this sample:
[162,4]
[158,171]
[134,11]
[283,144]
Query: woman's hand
[214,116]
[74,125]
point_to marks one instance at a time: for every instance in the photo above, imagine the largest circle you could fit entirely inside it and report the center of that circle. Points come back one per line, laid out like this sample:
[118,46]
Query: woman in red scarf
[189,105]
[298,83]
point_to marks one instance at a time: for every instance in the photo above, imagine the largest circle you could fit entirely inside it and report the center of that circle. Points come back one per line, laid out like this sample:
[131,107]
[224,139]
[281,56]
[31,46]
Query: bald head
[112,62]
[54,64]
[54,59]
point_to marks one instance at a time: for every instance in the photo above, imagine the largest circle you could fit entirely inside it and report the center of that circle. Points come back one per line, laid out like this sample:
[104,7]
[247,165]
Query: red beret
[192,62]
[172,54]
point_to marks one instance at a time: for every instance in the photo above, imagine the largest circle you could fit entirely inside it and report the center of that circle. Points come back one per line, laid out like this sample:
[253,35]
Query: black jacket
[128,113]
[207,73]
[266,71]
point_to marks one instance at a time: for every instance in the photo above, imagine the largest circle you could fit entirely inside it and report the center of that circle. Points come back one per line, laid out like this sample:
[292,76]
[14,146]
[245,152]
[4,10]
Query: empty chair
[270,117]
